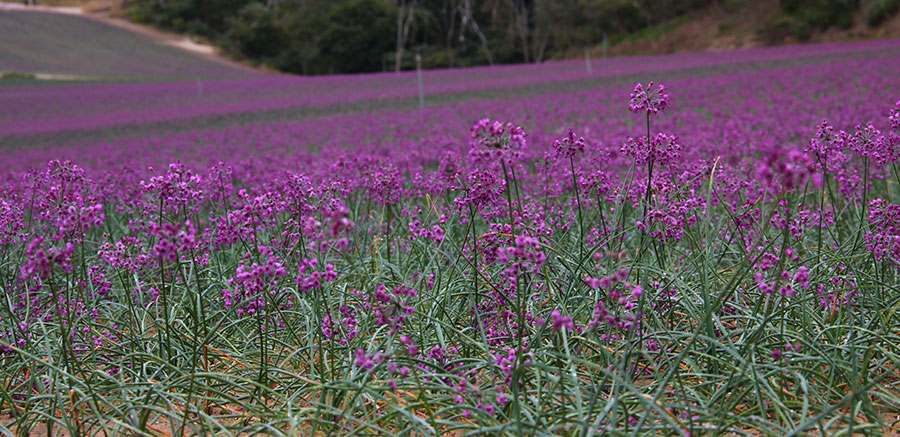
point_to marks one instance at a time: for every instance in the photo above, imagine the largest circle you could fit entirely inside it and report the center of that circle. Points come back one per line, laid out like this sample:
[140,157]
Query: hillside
[69,45]
[351,36]
[748,24]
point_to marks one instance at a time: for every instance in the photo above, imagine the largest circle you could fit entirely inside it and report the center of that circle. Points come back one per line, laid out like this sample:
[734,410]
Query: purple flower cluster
[662,149]
[569,146]
[493,142]
[894,117]
[650,100]
[256,286]
[884,237]
[616,316]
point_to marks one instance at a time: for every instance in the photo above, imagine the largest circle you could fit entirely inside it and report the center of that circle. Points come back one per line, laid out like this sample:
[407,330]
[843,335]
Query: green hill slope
[63,45]
[736,24]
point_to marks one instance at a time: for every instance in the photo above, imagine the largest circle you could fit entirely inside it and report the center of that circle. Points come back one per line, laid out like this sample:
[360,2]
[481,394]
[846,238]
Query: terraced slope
[68,44]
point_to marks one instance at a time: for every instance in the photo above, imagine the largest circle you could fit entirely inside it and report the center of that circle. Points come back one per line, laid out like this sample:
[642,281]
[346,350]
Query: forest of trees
[349,36]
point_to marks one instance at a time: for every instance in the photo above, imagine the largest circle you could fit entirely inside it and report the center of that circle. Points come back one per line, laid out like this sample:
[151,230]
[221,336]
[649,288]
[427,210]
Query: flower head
[894,118]
[650,100]
[868,142]
[569,146]
[559,321]
[826,140]
[493,139]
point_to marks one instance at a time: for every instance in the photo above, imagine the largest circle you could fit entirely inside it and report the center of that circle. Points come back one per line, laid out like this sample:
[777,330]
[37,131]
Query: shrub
[880,10]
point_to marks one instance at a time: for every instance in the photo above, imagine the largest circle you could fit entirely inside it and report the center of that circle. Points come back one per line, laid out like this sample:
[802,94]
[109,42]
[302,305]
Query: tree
[256,33]
[406,10]
[468,20]
[358,36]
[520,20]
[350,36]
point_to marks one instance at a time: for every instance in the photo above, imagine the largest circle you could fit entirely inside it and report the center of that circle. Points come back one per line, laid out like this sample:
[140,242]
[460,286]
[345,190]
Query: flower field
[684,244]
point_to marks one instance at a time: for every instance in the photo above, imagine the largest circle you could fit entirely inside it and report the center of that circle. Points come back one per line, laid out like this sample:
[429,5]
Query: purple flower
[662,149]
[253,281]
[802,277]
[650,100]
[558,322]
[363,361]
[493,141]
[883,239]
[827,140]
[894,117]
[869,142]
[569,146]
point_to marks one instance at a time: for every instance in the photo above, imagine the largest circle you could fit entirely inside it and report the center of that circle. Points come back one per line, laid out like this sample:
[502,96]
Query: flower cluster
[526,256]
[569,146]
[661,149]
[883,240]
[308,277]
[173,240]
[650,100]
[617,316]
[176,191]
[392,309]
[40,261]
[894,117]
[345,329]
[11,223]
[827,141]
[256,285]
[494,141]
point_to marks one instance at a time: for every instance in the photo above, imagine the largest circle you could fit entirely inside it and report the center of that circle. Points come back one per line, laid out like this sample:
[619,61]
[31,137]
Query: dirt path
[175,40]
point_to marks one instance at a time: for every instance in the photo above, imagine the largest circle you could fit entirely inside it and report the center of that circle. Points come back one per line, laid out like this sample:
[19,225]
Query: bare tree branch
[465,10]
[406,10]
[520,14]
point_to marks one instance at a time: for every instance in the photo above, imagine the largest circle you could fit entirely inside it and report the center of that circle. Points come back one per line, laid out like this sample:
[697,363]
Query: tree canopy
[349,36]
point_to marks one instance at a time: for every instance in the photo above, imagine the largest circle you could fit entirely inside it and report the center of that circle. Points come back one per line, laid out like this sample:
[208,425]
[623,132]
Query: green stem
[579,214]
